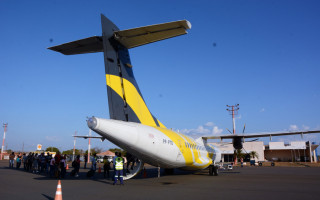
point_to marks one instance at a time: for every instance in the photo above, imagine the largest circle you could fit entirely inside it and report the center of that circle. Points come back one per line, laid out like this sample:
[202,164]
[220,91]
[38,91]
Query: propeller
[244,128]
[228,130]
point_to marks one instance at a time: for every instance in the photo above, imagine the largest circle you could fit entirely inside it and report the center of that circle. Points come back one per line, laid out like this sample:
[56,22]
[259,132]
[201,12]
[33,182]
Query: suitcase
[90,173]
[72,173]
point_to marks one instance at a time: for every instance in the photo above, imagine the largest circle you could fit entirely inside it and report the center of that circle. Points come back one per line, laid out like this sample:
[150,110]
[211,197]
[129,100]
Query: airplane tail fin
[124,97]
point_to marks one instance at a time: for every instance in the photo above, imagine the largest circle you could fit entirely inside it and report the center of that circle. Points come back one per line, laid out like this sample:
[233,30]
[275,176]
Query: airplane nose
[92,122]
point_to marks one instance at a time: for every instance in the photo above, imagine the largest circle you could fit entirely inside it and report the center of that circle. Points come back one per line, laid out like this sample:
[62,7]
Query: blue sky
[263,55]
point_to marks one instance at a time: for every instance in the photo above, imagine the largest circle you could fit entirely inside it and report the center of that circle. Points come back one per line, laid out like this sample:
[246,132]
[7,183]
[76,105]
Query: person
[18,161]
[118,169]
[63,166]
[25,161]
[52,166]
[29,161]
[42,161]
[241,160]
[39,163]
[130,159]
[114,159]
[11,160]
[85,161]
[77,166]
[35,164]
[114,164]
[48,159]
[57,159]
[106,166]
[94,162]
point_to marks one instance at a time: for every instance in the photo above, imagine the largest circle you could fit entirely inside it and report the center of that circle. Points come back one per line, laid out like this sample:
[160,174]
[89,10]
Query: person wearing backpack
[18,162]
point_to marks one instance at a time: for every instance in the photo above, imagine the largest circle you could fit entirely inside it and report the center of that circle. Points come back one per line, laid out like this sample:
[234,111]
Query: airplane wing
[256,135]
[87,136]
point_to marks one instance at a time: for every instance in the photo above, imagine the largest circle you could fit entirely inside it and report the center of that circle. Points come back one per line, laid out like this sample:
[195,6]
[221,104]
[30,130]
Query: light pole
[89,146]
[74,146]
[4,137]
[234,111]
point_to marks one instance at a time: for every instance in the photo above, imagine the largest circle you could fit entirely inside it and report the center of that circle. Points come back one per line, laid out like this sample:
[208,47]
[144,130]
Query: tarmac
[239,183]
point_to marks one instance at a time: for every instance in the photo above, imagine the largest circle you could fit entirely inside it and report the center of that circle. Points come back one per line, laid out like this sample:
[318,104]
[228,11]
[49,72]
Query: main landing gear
[213,170]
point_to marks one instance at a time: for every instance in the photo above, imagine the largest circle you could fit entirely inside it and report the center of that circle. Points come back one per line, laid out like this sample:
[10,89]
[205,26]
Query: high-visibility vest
[119,163]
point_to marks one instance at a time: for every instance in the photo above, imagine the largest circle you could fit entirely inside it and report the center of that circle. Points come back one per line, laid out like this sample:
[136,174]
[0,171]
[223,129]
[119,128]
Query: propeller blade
[254,140]
[229,130]
[244,128]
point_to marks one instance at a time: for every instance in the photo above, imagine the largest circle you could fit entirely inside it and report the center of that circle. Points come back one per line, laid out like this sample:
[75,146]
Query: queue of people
[55,167]
[40,163]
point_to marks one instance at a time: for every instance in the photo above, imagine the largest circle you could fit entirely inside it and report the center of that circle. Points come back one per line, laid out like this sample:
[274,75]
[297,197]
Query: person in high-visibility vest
[118,169]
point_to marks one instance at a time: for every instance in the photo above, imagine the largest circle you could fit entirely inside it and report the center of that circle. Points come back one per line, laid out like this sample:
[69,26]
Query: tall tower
[233,110]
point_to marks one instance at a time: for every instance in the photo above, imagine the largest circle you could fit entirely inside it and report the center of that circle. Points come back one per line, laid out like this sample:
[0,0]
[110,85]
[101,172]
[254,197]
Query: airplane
[131,125]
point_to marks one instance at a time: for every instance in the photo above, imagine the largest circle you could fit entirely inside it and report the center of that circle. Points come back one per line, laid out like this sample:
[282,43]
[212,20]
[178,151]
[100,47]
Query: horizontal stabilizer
[87,45]
[131,38]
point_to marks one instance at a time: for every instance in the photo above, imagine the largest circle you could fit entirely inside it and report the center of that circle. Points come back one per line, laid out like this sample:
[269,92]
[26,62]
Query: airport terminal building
[295,151]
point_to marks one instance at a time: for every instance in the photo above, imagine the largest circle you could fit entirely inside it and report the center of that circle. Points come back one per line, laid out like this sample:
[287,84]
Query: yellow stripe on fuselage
[179,142]
[196,152]
[133,99]
[191,158]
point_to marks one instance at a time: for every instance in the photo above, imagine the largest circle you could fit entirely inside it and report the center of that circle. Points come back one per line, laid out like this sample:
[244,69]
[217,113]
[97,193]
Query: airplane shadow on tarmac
[48,197]
[149,173]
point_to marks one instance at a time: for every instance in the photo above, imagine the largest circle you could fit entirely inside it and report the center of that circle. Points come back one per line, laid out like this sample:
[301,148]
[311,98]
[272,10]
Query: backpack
[74,163]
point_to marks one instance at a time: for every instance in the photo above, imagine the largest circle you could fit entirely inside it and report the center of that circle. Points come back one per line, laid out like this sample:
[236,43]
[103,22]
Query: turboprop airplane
[131,125]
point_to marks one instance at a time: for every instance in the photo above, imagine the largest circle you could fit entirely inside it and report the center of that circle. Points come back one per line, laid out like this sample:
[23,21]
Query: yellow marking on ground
[133,98]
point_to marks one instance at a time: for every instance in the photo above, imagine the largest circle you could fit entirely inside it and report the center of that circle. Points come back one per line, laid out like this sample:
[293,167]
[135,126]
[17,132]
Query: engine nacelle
[237,142]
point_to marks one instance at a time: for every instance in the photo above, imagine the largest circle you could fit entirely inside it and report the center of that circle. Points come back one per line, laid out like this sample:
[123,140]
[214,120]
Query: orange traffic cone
[67,167]
[58,192]
[144,173]
[99,170]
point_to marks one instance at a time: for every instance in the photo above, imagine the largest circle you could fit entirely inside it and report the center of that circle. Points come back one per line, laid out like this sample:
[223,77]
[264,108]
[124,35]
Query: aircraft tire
[215,171]
[169,171]
[211,170]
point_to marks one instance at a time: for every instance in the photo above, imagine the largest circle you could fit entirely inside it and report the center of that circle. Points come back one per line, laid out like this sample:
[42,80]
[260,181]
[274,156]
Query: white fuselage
[157,146]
